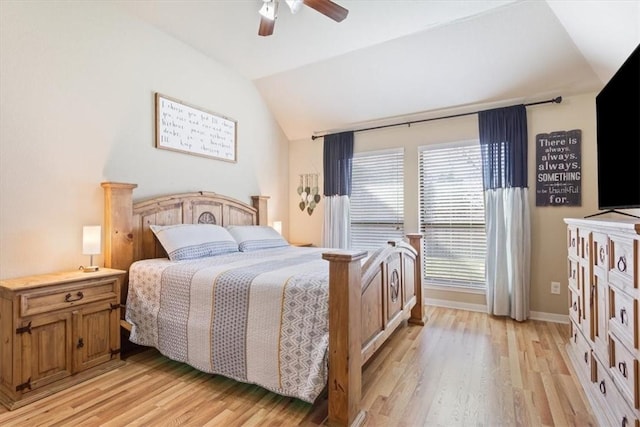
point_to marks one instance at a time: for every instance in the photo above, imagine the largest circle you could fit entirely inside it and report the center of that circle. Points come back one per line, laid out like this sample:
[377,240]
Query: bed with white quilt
[211,285]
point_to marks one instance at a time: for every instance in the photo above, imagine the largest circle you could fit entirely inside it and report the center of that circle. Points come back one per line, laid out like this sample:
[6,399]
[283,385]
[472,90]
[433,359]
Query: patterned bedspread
[258,317]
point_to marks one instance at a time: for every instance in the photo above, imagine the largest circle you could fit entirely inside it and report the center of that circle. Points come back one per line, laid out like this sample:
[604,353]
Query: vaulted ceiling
[397,59]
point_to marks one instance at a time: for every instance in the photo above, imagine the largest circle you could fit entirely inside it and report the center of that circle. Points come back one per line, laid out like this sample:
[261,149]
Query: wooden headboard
[128,237]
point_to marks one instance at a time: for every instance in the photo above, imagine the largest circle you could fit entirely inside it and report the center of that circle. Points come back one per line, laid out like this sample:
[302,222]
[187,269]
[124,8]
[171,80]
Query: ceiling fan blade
[266,26]
[328,8]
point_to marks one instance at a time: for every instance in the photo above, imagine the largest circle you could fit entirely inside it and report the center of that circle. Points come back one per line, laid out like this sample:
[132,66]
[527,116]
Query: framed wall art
[190,129]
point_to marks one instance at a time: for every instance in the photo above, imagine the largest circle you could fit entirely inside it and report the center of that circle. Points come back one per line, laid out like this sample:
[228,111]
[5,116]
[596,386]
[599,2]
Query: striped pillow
[189,241]
[256,237]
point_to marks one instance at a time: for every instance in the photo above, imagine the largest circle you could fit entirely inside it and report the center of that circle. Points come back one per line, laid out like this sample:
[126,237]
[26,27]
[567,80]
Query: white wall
[77,81]
[549,250]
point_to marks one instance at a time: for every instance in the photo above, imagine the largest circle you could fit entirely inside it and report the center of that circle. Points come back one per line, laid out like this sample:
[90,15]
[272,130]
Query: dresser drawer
[617,410]
[584,244]
[574,306]
[623,316]
[600,251]
[572,241]
[572,267]
[623,261]
[580,348]
[624,369]
[69,295]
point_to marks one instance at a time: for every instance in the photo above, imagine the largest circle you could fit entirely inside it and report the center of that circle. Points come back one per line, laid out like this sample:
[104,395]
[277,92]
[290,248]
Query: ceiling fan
[269,12]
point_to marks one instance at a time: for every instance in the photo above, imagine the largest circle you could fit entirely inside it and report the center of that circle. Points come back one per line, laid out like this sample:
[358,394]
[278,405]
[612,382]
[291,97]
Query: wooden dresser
[57,330]
[604,291]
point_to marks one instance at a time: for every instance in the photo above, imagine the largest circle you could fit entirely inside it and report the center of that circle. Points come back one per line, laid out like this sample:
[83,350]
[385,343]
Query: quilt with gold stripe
[257,317]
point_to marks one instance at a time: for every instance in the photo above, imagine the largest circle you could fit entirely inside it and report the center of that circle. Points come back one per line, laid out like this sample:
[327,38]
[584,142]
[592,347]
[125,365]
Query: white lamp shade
[91,239]
[277,225]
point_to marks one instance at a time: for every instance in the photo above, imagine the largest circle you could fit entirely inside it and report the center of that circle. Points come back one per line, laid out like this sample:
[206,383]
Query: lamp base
[90,268]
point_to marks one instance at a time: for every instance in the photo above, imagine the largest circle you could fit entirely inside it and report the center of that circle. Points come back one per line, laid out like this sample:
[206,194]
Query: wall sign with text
[559,168]
[183,127]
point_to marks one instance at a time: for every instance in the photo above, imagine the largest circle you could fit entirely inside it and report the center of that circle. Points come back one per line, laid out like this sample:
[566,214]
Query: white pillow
[189,241]
[256,237]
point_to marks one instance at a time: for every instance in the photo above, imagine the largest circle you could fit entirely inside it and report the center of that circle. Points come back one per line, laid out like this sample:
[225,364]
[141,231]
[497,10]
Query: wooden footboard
[366,304]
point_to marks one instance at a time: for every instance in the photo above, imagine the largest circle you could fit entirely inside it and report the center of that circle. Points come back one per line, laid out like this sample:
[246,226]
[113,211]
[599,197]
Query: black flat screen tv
[618,137]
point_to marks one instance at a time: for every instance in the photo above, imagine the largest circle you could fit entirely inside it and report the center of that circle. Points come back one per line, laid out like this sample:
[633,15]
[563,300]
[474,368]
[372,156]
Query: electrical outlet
[555,287]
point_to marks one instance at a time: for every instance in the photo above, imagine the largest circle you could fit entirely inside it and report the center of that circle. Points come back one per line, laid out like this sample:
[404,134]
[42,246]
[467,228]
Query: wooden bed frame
[366,302]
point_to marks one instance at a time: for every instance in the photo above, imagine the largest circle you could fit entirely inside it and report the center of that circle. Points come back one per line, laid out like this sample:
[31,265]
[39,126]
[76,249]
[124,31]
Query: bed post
[260,203]
[417,312]
[345,364]
[118,224]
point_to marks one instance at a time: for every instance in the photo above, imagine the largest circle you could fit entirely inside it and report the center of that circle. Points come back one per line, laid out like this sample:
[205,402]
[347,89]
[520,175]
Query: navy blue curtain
[503,142]
[338,156]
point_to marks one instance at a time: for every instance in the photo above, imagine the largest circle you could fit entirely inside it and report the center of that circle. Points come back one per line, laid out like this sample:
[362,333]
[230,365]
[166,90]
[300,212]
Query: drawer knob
[70,298]
[622,367]
[575,337]
[602,254]
[586,357]
[603,389]
[80,343]
[573,242]
[622,264]
[625,421]
[575,306]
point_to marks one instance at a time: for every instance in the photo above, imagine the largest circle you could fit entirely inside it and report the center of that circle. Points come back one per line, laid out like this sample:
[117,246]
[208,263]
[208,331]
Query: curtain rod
[556,100]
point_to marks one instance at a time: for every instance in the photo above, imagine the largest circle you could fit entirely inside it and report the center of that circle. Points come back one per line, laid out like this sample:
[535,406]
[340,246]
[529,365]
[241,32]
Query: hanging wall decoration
[308,192]
[559,168]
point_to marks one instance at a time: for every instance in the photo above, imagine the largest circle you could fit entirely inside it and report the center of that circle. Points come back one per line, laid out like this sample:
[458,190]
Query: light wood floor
[461,369]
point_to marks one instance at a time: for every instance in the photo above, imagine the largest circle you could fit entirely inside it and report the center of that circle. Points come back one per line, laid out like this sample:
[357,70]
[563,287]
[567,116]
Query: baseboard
[456,304]
[549,317]
[533,315]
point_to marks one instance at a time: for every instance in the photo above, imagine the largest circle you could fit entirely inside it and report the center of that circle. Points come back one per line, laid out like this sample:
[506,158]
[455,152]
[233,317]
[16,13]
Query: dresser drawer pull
[70,298]
[586,357]
[622,367]
[622,264]
[575,306]
[602,254]
[80,343]
[625,421]
[573,242]
[603,389]
[623,316]
[575,337]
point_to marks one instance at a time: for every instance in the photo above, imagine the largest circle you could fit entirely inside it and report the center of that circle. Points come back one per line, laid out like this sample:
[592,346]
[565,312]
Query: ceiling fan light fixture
[268,10]
[295,5]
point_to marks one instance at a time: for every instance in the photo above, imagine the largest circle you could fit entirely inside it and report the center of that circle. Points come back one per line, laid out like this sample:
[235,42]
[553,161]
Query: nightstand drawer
[59,297]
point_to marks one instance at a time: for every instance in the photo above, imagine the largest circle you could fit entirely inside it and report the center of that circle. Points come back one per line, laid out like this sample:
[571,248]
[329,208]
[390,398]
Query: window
[377,198]
[452,215]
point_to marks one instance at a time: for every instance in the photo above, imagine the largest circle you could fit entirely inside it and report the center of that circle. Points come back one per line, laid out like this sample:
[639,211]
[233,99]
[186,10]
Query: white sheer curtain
[508,252]
[336,230]
[503,144]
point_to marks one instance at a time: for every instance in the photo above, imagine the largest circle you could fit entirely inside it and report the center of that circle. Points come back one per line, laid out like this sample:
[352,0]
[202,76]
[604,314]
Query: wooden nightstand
[57,330]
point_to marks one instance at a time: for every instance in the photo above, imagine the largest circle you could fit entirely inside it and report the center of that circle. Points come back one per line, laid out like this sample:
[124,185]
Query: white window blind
[377,198]
[452,215]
